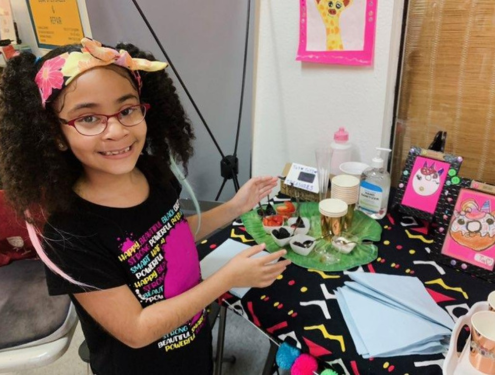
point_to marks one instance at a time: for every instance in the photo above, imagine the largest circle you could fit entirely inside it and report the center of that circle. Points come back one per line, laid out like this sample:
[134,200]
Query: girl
[86,135]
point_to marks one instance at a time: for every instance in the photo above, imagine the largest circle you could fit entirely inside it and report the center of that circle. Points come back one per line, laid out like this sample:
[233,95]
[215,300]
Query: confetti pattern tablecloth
[300,305]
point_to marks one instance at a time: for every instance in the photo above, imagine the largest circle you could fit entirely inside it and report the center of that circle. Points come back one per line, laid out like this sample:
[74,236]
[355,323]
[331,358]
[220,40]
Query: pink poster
[471,234]
[337,31]
[425,184]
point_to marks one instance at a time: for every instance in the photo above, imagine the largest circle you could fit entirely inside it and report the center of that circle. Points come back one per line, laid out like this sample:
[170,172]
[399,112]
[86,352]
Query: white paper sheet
[220,256]
[386,330]
[356,337]
[407,291]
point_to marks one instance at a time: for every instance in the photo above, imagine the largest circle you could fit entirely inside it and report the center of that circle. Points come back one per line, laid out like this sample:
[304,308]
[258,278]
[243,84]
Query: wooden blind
[448,83]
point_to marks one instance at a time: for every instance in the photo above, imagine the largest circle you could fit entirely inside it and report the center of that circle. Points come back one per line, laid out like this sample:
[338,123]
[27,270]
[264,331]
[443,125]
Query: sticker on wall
[56,23]
[7,29]
[337,31]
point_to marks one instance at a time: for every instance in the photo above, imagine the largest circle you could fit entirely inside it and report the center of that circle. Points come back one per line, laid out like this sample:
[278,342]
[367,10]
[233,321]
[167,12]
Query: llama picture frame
[465,234]
[337,31]
[423,178]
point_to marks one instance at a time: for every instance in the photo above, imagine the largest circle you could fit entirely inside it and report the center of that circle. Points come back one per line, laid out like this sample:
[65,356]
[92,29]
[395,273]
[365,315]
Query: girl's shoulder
[76,220]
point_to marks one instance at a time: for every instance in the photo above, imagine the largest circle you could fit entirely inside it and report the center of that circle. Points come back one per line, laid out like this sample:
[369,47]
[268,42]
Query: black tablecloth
[294,305]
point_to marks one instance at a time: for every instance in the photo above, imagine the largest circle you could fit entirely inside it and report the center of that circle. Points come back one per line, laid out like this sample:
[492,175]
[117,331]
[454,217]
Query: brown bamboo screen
[448,83]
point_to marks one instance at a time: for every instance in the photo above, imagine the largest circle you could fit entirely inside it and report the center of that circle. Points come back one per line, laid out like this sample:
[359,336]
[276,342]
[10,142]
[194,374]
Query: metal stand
[219,359]
[84,354]
[270,359]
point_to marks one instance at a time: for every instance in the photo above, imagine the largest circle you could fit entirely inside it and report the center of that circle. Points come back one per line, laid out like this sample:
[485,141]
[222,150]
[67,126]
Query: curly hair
[36,174]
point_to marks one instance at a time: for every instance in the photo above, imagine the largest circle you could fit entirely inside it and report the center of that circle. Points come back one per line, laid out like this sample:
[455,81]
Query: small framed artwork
[425,174]
[337,31]
[465,236]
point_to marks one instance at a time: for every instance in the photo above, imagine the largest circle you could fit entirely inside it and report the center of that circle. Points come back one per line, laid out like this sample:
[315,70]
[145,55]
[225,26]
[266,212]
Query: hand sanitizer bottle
[375,187]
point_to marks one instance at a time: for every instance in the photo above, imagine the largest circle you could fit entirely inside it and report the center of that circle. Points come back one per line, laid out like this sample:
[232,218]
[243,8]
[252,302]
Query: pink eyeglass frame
[108,117]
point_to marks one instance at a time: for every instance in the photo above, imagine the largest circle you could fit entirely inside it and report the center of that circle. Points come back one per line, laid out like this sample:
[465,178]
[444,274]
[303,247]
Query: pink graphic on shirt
[183,270]
[127,245]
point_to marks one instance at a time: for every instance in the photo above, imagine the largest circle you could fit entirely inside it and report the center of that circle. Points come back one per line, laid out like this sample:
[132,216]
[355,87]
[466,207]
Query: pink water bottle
[341,150]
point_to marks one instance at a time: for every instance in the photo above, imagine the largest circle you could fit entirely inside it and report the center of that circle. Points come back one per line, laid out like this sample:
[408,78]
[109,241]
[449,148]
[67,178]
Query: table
[300,304]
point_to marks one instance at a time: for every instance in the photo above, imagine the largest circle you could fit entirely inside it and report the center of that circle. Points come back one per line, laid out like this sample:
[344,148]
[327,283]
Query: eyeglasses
[95,124]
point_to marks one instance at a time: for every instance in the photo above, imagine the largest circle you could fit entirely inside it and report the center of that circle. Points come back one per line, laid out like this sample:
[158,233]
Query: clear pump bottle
[375,187]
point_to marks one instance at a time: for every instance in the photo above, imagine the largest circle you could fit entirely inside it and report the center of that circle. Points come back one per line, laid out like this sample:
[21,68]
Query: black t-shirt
[149,248]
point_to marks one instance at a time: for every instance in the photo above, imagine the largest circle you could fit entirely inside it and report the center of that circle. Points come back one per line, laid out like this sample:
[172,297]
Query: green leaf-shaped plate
[363,227]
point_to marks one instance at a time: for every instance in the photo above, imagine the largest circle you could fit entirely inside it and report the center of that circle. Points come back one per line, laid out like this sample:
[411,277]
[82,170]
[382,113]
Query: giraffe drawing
[330,11]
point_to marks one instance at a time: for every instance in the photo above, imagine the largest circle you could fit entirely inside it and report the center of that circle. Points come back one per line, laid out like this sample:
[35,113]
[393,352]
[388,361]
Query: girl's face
[102,91]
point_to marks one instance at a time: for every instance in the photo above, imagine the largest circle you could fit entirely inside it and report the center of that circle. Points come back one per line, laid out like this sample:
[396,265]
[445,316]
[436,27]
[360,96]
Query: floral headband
[58,72]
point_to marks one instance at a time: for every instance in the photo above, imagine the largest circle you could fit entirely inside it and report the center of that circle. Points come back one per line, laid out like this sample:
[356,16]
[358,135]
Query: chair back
[15,243]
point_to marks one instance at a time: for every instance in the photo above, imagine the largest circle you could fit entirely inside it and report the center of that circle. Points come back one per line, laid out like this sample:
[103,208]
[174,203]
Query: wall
[300,105]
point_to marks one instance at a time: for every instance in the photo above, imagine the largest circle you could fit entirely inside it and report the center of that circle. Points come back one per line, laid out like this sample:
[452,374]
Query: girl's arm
[246,198]
[118,311]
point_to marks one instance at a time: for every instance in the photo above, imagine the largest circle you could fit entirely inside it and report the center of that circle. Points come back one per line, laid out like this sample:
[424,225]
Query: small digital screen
[306,177]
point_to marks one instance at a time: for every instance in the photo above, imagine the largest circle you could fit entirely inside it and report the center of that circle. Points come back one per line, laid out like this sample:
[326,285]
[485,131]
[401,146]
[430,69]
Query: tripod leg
[270,359]
[221,339]
[236,182]
[221,188]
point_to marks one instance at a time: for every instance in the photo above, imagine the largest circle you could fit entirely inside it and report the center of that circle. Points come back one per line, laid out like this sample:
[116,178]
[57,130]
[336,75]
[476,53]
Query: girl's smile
[116,154]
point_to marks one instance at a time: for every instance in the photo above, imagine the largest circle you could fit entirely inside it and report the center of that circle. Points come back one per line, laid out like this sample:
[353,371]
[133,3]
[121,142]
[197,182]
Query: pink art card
[424,175]
[425,184]
[337,31]
[471,234]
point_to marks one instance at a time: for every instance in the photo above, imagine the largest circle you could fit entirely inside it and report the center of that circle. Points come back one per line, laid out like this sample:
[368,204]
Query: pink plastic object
[341,135]
[341,150]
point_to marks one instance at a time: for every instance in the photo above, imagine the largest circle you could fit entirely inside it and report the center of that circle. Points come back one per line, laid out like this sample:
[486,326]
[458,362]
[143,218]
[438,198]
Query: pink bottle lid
[341,135]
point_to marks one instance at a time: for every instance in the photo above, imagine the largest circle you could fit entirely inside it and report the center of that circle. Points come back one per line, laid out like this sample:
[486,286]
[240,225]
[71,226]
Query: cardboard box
[293,191]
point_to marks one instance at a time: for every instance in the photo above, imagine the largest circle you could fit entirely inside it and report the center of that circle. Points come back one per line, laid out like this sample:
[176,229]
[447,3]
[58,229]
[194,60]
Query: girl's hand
[252,192]
[245,270]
